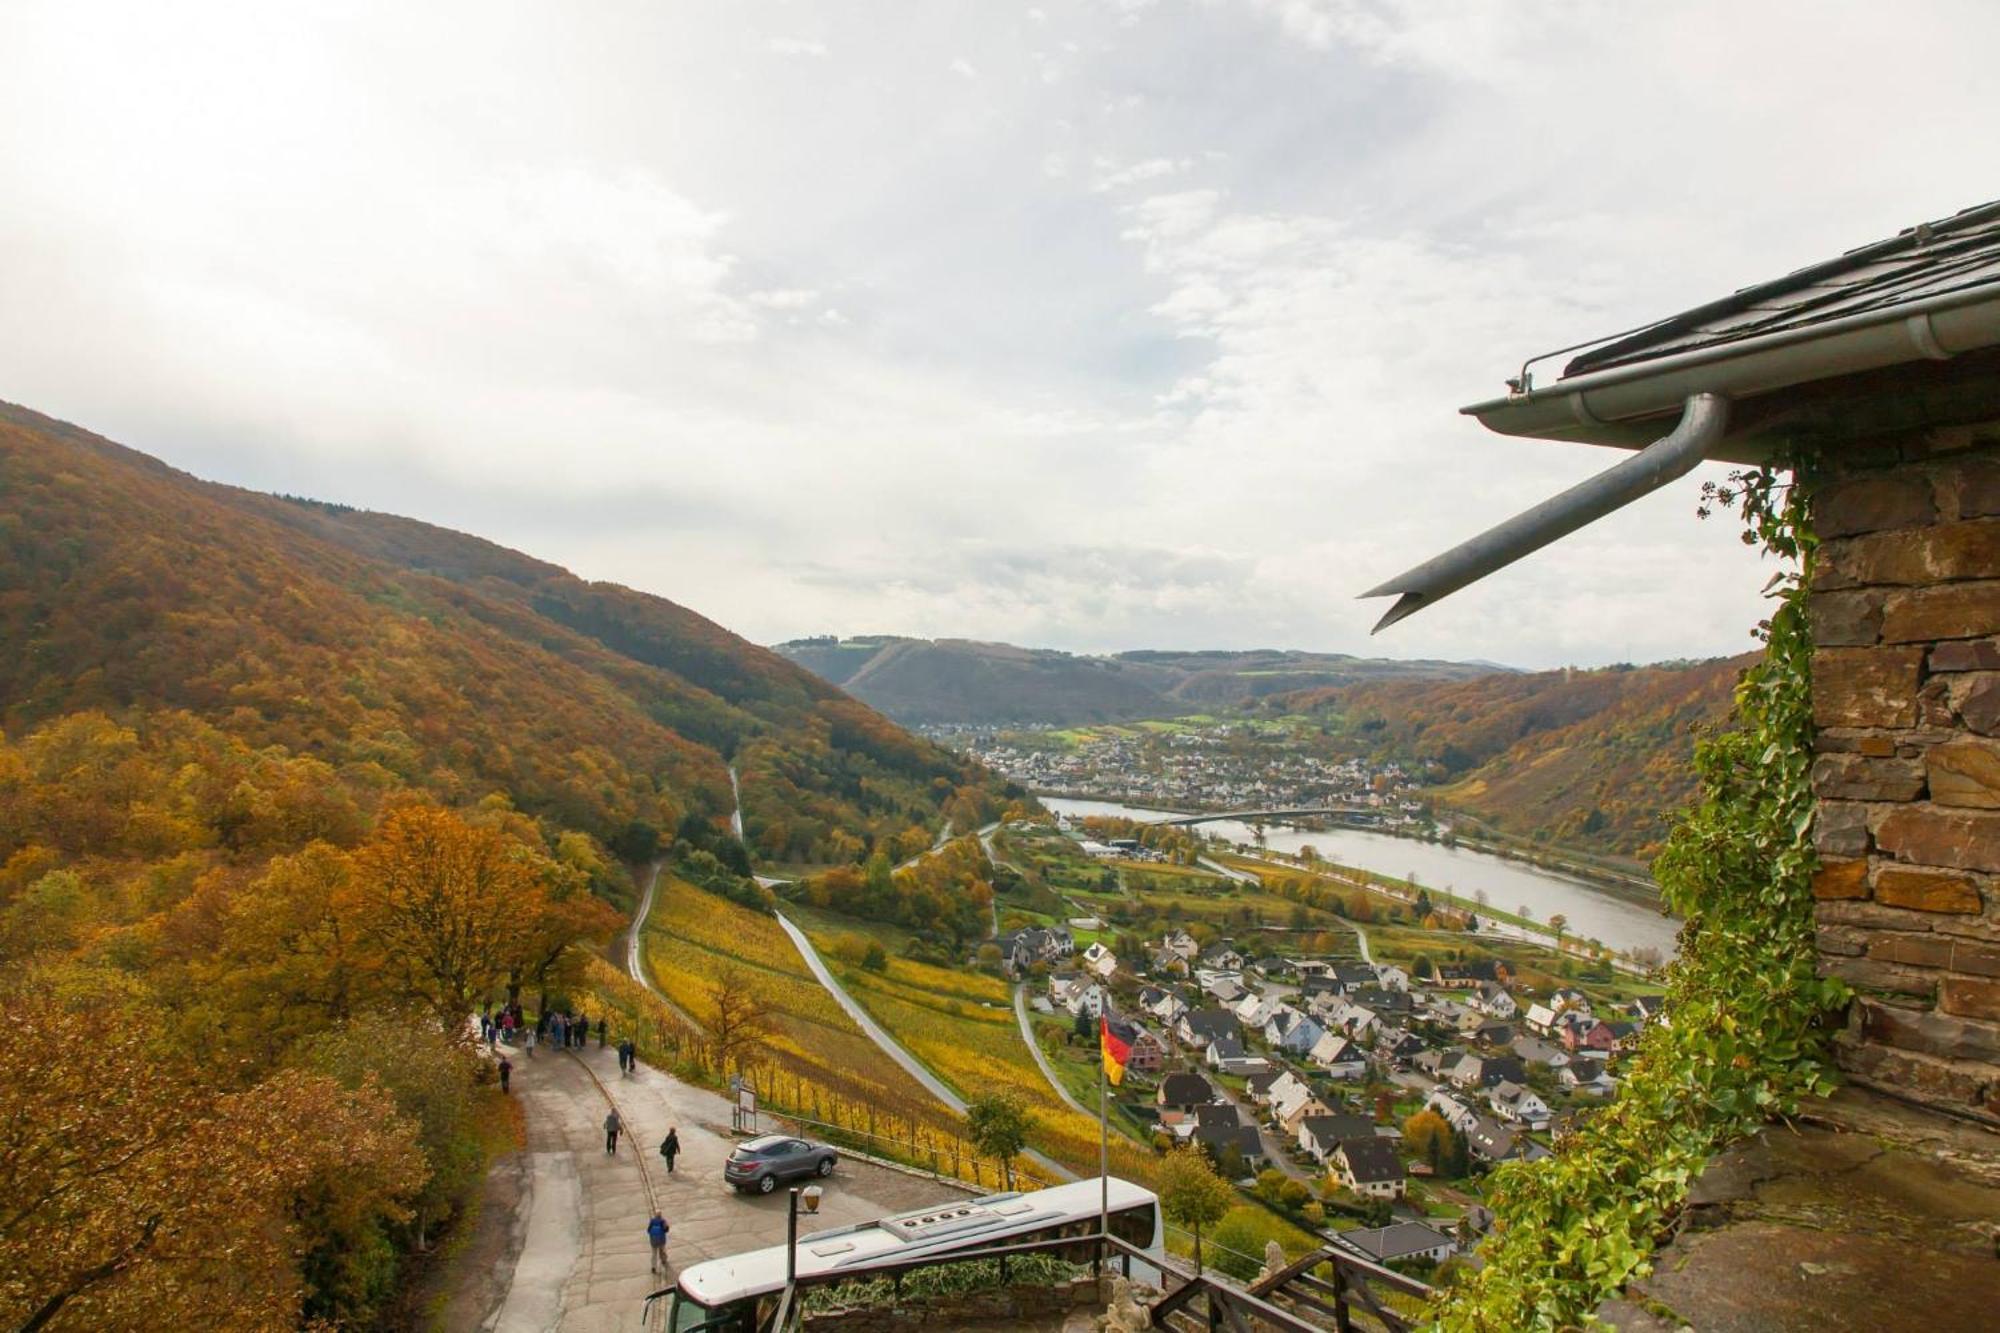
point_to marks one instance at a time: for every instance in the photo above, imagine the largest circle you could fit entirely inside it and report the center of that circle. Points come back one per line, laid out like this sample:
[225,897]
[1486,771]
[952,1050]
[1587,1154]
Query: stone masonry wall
[1906,696]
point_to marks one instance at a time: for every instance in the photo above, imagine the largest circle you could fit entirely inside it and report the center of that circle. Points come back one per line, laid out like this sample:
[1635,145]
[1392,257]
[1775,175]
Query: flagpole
[1103,1133]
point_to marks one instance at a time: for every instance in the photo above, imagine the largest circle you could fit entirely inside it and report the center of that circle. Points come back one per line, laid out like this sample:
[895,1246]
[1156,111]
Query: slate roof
[1371,1160]
[1929,260]
[1185,1090]
[1336,1128]
[1394,1242]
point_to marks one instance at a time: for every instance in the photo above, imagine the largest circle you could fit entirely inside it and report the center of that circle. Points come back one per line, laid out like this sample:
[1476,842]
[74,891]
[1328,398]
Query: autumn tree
[104,1131]
[452,908]
[1428,1135]
[1192,1194]
[738,1020]
[997,1125]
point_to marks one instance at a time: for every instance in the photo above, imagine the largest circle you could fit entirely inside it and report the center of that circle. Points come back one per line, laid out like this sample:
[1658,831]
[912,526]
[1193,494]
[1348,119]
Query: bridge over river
[1356,814]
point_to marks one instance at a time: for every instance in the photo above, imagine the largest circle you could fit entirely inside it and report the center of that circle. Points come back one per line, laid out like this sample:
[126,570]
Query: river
[1509,885]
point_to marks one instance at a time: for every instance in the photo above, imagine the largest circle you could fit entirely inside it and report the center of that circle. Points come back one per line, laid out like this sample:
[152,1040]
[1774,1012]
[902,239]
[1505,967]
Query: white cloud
[1138,173]
[1154,334]
[963,68]
[784,298]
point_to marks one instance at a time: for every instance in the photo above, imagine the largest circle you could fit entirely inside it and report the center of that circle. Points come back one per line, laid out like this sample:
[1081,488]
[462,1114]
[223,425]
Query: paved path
[912,1066]
[579,1262]
[1273,1140]
[1035,1049]
[635,954]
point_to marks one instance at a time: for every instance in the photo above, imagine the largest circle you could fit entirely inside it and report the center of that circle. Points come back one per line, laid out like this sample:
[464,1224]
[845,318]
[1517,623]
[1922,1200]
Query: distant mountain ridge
[967,682]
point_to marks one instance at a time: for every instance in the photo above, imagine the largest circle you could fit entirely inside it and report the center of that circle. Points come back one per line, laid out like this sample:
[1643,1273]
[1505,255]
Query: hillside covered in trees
[287,791]
[1591,759]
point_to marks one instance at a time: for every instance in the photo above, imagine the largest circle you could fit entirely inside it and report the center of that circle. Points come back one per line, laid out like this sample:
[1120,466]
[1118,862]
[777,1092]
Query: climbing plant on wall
[1746,1040]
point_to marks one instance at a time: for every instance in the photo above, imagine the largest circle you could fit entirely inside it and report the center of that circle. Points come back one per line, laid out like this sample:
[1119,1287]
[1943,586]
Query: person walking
[628,1056]
[528,1041]
[612,1124]
[507,1074]
[603,1031]
[656,1235]
[670,1146]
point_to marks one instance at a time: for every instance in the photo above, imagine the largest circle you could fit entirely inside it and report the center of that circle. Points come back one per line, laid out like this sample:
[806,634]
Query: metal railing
[1326,1289]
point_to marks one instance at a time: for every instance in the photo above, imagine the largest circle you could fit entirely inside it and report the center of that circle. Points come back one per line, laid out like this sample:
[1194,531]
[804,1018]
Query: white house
[1288,1086]
[1456,1113]
[1370,1168]
[1338,1056]
[1494,1001]
[1511,1101]
[1541,1018]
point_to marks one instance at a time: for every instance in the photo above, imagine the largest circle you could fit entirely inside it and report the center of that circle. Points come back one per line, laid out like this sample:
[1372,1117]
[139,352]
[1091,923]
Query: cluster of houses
[1295,1030]
[1198,767]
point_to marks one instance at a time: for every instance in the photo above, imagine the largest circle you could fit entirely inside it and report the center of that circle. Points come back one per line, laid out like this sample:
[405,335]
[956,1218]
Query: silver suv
[763,1163]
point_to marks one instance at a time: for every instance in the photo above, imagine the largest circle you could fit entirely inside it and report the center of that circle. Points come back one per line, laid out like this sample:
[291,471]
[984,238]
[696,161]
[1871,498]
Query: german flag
[1116,1039]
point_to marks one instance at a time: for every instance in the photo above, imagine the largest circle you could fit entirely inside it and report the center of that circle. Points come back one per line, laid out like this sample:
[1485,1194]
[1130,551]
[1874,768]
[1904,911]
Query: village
[1189,763]
[1364,1098]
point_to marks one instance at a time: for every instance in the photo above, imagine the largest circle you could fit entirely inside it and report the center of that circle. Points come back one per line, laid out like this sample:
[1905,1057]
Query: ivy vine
[1746,1040]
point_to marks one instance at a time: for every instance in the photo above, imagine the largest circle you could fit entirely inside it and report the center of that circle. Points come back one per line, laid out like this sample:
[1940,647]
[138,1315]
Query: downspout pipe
[1704,417]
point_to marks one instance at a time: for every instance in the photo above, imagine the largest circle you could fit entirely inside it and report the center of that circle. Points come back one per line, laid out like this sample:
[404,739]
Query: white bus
[740,1293]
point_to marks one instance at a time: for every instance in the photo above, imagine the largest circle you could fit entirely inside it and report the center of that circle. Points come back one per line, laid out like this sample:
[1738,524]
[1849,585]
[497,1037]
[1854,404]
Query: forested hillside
[287,791]
[408,654]
[1591,759]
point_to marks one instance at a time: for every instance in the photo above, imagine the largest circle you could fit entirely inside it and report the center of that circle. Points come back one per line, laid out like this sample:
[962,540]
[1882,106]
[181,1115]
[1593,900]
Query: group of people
[507,1025]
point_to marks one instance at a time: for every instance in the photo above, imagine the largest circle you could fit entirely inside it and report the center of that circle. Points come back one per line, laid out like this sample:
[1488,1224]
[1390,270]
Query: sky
[1096,324]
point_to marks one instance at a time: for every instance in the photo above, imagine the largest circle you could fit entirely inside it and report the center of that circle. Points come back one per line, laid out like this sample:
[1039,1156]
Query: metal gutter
[1599,407]
[1704,417]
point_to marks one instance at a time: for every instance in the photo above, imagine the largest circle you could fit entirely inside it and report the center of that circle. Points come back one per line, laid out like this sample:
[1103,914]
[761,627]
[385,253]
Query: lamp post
[792,1239]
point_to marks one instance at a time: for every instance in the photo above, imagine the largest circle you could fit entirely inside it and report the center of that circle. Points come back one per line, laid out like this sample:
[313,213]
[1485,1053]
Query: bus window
[1137,1227]
[688,1317]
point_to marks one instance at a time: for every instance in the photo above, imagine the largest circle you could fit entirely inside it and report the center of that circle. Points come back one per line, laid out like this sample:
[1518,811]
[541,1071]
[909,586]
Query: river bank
[1614,914]
[1585,867]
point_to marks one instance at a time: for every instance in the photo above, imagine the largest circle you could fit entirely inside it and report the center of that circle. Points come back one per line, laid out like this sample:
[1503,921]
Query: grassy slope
[691,934]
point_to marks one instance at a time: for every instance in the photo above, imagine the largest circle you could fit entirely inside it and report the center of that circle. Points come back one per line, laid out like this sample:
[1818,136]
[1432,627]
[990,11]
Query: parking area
[576,1257]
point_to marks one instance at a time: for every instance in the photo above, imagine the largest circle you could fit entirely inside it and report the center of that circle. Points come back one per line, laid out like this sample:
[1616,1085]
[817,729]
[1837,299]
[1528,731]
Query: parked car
[764,1163]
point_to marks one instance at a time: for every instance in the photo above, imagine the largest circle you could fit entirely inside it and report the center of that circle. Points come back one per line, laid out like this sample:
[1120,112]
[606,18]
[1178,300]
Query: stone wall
[1906,696]
[999,1307]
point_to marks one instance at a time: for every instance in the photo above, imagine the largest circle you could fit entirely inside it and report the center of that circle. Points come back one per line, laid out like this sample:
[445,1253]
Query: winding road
[1035,1049]
[889,1045]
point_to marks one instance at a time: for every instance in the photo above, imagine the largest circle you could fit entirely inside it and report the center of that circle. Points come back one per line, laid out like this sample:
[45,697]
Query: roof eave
[1622,405]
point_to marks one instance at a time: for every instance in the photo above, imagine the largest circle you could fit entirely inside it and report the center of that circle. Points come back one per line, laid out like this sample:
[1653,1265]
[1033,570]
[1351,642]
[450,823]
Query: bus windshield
[688,1315]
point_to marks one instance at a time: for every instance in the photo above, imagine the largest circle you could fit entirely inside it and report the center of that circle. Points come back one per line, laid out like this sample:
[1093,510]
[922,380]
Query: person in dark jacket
[506,1074]
[670,1147]
[656,1236]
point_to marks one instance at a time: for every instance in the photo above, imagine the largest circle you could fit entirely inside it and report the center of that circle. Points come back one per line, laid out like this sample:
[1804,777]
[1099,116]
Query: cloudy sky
[1085,323]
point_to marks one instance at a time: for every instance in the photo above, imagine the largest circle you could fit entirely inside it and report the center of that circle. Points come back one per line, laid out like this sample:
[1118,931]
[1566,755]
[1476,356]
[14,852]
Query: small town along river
[1510,885]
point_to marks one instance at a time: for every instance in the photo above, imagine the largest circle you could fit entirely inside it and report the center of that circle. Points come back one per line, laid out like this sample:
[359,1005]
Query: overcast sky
[1093,324]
